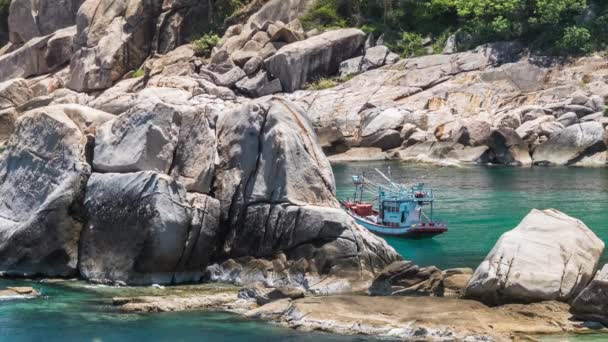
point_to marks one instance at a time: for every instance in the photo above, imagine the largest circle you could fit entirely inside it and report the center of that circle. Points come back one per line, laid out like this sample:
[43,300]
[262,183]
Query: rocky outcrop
[548,256]
[143,228]
[39,55]
[572,144]
[417,318]
[18,293]
[271,203]
[403,278]
[43,173]
[29,19]
[592,303]
[298,63]
[113,37]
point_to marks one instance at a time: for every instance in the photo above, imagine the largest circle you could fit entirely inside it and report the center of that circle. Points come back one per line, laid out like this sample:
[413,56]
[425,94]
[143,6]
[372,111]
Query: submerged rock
[548,256]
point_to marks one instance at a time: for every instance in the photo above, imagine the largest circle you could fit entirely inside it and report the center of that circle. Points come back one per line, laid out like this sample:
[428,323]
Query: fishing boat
[397,210]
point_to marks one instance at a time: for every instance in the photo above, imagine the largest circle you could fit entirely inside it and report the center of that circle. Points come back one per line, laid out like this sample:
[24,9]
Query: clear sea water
[478,203]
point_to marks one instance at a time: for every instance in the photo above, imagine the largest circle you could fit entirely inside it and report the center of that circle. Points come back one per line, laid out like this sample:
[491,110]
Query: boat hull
[410,232]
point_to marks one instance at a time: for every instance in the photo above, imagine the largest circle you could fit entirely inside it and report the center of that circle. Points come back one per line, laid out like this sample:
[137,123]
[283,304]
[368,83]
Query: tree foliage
[554,26]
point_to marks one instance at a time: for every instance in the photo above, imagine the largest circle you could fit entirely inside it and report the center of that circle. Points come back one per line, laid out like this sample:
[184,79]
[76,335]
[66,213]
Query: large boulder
[509,148]
[29,19]
[592,303]
[39,55]
[278,10]
[14,93]
[43,173]
[276,191]
[113,38]
[572,144]
[300,62]
[548,256]
[142,139]
[143,228]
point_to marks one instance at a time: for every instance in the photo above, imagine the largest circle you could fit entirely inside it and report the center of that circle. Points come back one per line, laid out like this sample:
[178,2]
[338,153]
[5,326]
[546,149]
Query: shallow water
[478,203]
[481,203]
[74,312]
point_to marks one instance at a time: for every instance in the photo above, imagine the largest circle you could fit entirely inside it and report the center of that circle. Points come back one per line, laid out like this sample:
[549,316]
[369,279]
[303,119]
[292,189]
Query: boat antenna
[387,179]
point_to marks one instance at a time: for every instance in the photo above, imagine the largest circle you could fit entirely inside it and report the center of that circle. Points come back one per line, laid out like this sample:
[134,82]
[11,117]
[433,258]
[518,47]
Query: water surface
[481,203]
[478,203]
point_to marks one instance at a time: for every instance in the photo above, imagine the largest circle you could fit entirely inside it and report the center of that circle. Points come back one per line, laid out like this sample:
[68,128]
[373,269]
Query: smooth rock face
[143,228]
[39,55]
[572,144]
[43,173]
[276,191]
[143,139]
[298,63]
[111,44]
[29,19]
[548,256]
[592,303]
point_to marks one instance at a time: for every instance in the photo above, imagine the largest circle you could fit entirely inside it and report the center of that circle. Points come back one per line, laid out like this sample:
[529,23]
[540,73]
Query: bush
[322,83]
[575,40]
[138,73]
[203,46]
[410,45]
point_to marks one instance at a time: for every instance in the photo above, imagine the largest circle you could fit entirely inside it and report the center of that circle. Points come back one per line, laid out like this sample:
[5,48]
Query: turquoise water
[478,203]
[481,203]
[77,313]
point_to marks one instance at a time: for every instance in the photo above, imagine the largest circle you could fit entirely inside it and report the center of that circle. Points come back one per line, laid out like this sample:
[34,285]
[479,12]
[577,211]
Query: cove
[481,203]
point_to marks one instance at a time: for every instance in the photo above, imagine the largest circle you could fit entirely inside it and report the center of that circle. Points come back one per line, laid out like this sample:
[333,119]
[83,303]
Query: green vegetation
[214,14]
[138,73]
[326,83]
[204,45]
[321,84]
[566,27]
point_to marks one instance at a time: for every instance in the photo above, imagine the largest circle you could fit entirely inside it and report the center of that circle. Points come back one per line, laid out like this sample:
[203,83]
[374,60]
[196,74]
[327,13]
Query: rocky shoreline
[129,158]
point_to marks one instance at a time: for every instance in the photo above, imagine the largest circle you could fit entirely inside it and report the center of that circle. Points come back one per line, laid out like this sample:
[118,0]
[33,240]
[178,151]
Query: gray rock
[30,19]
[113,38]
[274,171]
[39,55]
[14,93]
[142,139]
[278,10]
[195,156]
[548,256]
[350,66]
[386,140]
[403,278]
[474,155]
[229,78]
[580,110]
[568,119]
[592,303]
[7,123]
[142,228]
[259,85]
[509,148]
[572,144]
[298,63]
[374,57]
[253,65]
[593,117]
[43,173]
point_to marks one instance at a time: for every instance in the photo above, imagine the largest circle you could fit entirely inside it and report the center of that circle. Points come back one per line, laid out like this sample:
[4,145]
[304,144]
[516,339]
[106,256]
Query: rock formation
[548,256]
